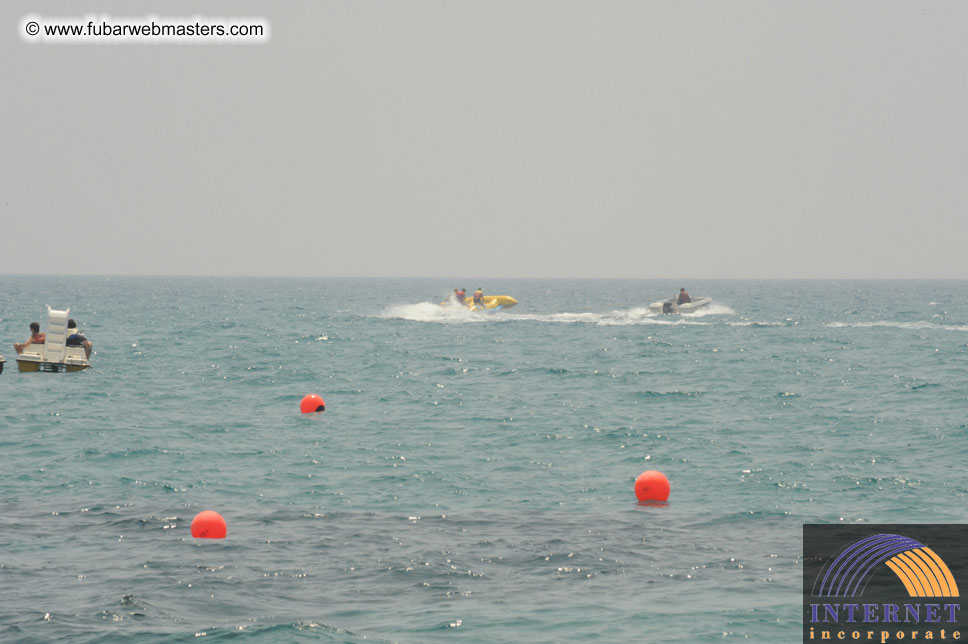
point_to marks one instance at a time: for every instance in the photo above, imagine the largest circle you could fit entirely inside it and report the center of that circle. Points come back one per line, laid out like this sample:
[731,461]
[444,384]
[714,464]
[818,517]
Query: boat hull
[671,306]
[35,366]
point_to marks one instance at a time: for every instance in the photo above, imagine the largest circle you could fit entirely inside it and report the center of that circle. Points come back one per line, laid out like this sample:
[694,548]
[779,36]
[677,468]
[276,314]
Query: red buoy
[209,525]
[312,403]
[652,486]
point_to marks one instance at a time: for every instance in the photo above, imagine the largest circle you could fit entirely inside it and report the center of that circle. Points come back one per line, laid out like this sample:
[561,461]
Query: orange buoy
[312,403]
[652,486]
[209,525]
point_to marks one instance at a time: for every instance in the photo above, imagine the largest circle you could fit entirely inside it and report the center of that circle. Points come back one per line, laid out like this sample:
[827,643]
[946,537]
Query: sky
[505,138]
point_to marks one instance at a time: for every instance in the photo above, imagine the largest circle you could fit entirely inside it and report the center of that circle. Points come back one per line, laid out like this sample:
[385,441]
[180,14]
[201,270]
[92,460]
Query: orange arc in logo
[923,573]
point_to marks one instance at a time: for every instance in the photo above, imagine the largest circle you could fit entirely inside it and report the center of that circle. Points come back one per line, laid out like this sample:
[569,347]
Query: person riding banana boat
[480,302]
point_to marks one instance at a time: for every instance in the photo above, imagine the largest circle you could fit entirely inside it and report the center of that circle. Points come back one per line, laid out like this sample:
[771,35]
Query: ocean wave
[666,394]
[306,630]
[910,326]
[758,325]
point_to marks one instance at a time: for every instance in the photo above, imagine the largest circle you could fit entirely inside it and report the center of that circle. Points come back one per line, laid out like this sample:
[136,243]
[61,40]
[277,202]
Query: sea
[472,477]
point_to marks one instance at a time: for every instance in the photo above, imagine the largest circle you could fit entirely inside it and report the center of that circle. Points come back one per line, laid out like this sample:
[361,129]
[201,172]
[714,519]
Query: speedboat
[54,356]
[672,305]
[2,361]
[492,303]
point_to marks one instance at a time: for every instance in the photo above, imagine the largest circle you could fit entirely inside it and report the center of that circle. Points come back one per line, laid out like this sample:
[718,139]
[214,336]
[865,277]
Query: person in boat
[479,297]
[36,337]
[76,339]
[684,297]
[460,295]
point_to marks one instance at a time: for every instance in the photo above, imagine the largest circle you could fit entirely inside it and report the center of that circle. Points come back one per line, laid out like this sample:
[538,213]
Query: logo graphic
[884,583]
[919,568]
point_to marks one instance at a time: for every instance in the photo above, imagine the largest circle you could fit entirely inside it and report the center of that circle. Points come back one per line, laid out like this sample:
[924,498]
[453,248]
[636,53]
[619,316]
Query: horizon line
[464,277]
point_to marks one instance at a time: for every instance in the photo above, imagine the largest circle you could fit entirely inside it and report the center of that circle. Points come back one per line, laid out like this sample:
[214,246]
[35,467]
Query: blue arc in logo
[848,574]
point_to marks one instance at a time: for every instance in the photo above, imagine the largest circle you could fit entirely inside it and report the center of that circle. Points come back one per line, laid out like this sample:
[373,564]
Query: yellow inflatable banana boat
[492,303]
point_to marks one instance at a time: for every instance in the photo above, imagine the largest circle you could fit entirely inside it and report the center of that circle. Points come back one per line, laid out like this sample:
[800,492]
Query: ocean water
[472,477]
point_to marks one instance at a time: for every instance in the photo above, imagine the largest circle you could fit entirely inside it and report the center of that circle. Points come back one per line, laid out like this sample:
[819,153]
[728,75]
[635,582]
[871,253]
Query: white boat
[53,356]
[672,305]
[2,361]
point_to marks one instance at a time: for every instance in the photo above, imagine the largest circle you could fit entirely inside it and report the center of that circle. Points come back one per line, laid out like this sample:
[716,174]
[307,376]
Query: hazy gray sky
[515,138]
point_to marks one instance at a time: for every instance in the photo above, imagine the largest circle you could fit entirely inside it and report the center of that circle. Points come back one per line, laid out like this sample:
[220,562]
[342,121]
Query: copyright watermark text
[94,29]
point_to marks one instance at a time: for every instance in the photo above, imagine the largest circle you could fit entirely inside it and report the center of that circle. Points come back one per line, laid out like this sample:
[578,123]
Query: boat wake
[613,318]
[711,309]
[430,312]
[628,317]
